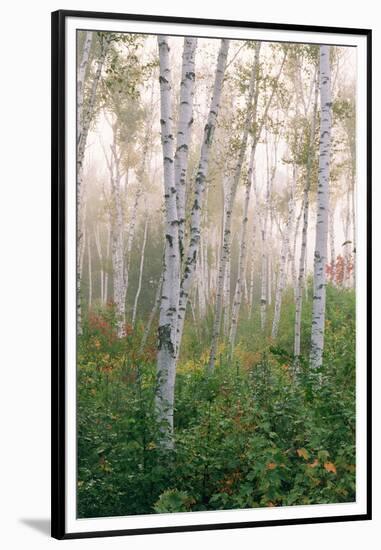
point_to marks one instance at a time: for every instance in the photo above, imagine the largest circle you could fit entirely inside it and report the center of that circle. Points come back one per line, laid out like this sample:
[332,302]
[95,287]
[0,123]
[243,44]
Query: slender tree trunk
[97,240]
[81,75]
[131,234]
[332,241]
[166,357]
[89,265]
[184,126]
[303,249]
[265,283]
[347,242]
[243,252]
[117,240]
[354,224]
[226,298]
[225,254]
[283,258]
[140,273]
[152,315]
[85,113]
[108,245]
[252,262]
[202,172]
[320,258]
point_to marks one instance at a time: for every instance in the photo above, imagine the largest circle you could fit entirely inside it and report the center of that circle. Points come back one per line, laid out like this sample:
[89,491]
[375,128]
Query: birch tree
[283,257]
[320,257]
[200,184]
[140,273]
[166,357]
[185,121]
[85,113]
[303,249]
[227,225]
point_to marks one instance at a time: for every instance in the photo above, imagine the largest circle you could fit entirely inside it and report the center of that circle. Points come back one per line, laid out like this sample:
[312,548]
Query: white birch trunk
[131,235]
[97,240]
[90,273]
[202,172]
[242,255]
[184,126]
[117,244]
[85,114]
[166,356]
[332,241]
[226,298]
[81,75]
[320,258]
[283,258]
[347,242]
[303,249]
[225,253]
[151,317]
[108,245]
[252,262]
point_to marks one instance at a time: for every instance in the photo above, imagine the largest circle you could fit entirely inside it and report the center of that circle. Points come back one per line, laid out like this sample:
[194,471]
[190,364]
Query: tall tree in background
[85,113]
[305,203]
[202,172]
[320,257]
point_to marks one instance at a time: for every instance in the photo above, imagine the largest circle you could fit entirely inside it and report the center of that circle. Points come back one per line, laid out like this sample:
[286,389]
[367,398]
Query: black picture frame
[58,218]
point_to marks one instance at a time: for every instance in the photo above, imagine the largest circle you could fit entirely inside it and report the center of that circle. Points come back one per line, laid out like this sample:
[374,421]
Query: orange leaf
[330,467]
[303,452]
[271,466]
[313,464]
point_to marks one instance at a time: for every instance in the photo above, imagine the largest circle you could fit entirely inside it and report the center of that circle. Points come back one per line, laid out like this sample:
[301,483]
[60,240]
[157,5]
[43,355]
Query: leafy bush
[255,433]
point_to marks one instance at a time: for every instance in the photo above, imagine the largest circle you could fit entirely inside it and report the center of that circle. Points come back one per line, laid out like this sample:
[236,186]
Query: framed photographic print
[211,274]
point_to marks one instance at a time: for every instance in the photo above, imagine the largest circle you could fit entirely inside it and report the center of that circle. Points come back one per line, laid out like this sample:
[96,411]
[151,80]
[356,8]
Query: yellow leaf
[313,464]
[303,452]
[330,467]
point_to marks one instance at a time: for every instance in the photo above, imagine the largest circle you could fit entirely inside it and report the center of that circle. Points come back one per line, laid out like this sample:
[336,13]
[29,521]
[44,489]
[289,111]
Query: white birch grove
[320,256]
[216,181]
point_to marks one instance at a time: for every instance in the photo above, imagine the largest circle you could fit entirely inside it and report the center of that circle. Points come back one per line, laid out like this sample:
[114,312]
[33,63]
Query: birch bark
[184,126]
[200,184]
[320,257]
[152,315]
[303,250]
[117,244]
[85,112]
[166,356]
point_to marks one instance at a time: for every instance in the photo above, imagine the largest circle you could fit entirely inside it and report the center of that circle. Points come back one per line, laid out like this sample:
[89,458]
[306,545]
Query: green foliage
[258,432]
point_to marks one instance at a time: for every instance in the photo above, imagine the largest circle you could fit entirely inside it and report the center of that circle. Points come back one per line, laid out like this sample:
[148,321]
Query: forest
[216,274]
